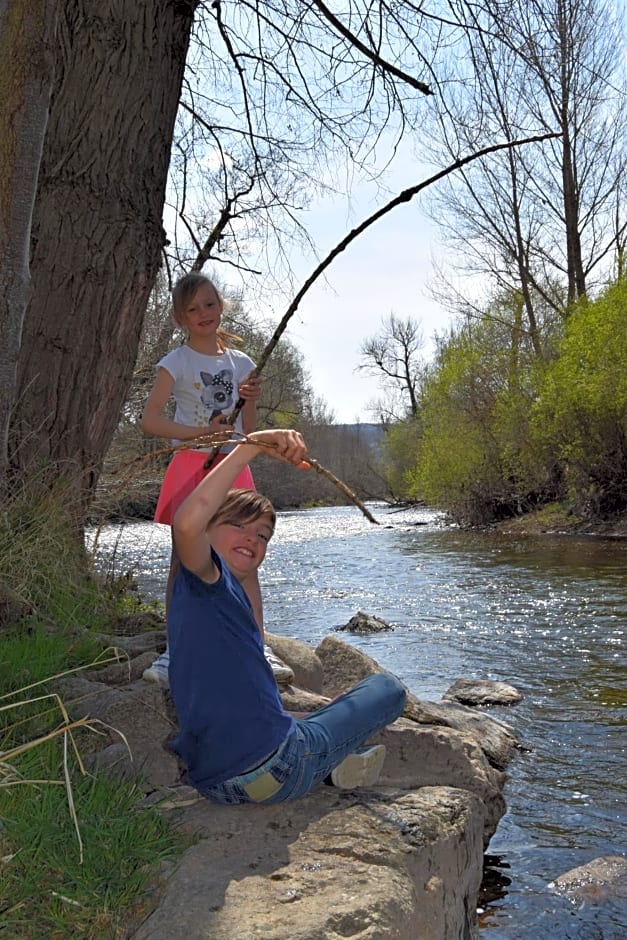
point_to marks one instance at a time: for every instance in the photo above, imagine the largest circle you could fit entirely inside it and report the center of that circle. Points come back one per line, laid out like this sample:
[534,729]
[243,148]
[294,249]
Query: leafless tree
[392,355]
[276,99]
[542,220]
[292,80]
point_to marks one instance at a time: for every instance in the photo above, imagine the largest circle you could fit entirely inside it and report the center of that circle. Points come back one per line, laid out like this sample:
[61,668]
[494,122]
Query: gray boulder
[482,692]
[345,666]
[301,658]
[405,866]
[402,860]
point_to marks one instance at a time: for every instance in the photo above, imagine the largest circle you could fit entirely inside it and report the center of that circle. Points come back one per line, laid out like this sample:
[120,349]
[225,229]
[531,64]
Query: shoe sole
[149,675]
[361,769]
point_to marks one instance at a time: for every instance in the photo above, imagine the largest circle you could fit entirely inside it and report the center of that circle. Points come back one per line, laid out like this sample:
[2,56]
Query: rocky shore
[402,860]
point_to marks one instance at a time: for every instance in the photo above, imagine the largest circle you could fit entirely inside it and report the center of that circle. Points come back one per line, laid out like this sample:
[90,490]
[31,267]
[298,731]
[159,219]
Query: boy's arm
[189,528]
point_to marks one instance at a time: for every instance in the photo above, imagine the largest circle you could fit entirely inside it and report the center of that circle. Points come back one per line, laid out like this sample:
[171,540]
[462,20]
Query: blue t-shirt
[227,702]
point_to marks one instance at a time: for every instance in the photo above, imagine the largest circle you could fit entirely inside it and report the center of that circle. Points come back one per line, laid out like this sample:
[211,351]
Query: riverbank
[545,613]
[557,520]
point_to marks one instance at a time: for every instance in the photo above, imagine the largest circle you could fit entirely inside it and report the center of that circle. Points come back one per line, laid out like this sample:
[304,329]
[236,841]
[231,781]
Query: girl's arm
[153,421]
[189,529]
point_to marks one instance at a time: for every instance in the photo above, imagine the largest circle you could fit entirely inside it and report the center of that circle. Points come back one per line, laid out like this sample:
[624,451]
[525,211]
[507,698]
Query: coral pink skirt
[184,473]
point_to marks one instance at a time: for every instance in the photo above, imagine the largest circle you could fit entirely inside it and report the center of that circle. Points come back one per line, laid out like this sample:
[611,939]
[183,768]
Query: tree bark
[97,231]
[26,29]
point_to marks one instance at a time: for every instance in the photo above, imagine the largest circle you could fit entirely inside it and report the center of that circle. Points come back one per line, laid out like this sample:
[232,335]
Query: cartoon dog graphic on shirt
[217,394]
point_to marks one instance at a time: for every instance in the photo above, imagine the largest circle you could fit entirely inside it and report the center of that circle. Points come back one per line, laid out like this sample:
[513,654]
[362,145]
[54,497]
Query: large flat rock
[393,864]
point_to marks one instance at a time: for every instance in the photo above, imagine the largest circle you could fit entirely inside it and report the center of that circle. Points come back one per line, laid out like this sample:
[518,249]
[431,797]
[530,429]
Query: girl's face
[203,313]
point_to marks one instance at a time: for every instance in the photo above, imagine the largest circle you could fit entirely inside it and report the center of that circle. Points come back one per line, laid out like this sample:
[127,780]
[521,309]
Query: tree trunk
[570,189]
[576,275]
[26,29]
[97,231]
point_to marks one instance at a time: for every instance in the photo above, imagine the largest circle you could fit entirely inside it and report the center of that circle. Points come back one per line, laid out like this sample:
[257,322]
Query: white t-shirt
[205,386]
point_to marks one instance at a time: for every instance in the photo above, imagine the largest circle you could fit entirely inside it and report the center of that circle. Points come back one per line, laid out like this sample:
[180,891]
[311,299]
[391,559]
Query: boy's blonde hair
[244,506]
[182,294]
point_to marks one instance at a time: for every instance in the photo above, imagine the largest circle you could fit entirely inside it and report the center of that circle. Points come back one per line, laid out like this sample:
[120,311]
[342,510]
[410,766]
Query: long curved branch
[405,196]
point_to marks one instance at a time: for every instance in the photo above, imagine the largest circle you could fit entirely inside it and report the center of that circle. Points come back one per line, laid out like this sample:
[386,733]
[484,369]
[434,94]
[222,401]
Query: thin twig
[311,462]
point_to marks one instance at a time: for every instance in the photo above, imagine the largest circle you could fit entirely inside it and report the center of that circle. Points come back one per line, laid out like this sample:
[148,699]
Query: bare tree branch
[370,53]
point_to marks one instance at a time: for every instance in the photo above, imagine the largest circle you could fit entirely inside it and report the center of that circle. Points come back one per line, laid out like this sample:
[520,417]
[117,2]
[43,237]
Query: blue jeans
[317,744]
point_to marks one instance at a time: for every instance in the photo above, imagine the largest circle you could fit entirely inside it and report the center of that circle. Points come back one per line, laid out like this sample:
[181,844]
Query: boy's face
[242,544]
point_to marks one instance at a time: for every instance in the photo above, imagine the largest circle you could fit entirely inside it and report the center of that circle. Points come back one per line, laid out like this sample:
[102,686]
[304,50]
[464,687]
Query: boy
[236,739]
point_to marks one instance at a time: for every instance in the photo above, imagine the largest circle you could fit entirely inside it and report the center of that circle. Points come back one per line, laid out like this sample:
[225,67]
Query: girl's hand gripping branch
[250,388]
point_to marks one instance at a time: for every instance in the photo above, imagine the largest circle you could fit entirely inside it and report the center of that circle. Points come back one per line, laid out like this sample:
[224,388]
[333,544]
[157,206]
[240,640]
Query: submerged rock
[363,623]
[599,880]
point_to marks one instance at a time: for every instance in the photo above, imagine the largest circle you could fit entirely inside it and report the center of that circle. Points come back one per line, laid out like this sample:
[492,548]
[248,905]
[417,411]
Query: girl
[206,377]
[236,739]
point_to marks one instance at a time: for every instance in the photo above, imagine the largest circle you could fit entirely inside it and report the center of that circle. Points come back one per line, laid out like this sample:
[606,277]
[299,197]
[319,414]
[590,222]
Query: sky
[385,270]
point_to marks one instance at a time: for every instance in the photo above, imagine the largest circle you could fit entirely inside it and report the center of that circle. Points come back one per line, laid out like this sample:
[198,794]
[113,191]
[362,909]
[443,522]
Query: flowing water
[547,615]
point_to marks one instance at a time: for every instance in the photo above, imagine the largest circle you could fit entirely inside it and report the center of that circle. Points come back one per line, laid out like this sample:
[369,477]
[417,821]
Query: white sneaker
[158,672]
[360,769]
[282,672]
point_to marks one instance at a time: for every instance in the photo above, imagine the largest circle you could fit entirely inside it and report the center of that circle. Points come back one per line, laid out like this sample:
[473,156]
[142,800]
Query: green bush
[475,407]
[579,419]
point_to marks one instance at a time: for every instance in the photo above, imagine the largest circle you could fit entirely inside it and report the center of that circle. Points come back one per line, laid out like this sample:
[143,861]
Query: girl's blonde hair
[244,506]
[182,294]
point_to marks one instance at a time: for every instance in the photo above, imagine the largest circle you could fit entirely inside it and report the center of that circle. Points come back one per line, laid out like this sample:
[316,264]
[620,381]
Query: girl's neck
[207,345]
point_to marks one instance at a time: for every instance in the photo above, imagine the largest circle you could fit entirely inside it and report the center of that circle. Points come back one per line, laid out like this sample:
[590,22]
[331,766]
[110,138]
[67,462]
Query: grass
[49,888]
[79,857]
[77,853]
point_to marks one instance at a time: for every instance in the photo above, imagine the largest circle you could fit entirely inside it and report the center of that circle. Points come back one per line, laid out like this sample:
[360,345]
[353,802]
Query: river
[547,615]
